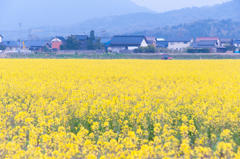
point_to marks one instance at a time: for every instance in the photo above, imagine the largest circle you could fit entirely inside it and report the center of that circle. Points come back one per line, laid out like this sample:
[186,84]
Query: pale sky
[167,5]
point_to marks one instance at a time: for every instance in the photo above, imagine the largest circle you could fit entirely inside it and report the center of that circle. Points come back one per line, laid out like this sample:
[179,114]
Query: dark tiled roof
[81,37]
[226,40]
[61,38]
[179,39]
[35,43]
[127,40]
[1,35]
[203,44]
[11,43]
[236,42]
[207,43]
[162,43]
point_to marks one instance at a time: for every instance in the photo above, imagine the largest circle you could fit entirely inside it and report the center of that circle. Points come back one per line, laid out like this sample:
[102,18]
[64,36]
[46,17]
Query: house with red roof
[211,43]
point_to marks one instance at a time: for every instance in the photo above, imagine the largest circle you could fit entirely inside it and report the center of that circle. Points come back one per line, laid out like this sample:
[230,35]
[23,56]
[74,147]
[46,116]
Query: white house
[127,43]
[179,43]
[236,43]
[1,38]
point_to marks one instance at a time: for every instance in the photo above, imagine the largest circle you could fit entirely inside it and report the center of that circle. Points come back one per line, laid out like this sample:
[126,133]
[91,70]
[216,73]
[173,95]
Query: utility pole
[20,24]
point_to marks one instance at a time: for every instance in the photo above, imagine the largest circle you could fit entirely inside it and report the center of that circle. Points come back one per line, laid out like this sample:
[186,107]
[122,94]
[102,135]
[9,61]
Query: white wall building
[1,38]
[127,43]
[236,43]
[179,43]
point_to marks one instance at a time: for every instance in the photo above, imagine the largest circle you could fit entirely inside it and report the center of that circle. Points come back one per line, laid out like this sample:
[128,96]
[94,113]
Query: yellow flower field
[119,109]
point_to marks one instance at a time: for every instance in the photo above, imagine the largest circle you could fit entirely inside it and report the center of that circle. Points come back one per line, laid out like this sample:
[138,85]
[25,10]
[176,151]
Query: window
[172,43]
[185,42]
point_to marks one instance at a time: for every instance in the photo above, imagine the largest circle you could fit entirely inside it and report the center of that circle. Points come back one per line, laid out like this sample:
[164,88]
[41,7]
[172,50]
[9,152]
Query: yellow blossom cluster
[119,109]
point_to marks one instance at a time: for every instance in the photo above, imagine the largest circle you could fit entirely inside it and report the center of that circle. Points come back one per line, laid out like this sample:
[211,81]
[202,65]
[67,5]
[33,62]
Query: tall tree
[71,44]
[90,44]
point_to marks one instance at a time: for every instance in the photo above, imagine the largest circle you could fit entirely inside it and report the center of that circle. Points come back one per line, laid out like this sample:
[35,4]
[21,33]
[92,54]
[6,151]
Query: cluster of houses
[128,43]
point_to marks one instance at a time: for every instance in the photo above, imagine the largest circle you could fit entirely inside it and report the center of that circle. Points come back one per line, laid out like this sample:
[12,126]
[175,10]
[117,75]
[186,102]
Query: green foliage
[90,44]
[63,47]
[71,44]
[198,51]
[148,49]
[2,47]
[46,49]
[231,48]
[98,44]
[201,28]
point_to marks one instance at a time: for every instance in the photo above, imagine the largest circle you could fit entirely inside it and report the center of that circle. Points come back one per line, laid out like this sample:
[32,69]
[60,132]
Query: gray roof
[236,42]
[1,35]
[226,40]
[35,43]
[81,37]
[127,40]
[207,43]
[179,39]
[204,44]
[11,43]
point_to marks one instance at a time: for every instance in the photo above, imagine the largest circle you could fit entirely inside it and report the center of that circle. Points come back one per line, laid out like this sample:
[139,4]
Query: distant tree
[46,49]
[151,49]
[231,48]
[98,44]
[2,47]
[90,44]
[71,44]
[148,49]
[63,47]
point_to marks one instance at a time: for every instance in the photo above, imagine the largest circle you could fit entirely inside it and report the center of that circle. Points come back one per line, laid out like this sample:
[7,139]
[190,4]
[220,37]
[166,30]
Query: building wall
[237,45]
[144,43]
[116,49]
[14,48]
[178,45]
[132,47]
[0,39]
[56,45]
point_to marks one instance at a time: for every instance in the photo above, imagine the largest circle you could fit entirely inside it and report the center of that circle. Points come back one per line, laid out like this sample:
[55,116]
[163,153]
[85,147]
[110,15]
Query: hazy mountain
[60,12]
[142,21]
[207,27]
[57,15]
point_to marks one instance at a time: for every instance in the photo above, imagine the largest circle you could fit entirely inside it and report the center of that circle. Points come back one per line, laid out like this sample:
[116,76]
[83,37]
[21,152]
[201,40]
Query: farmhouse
[226,41]
[127,43]
[236,43]
[179,43]
[215,39]
[151,41]
[11,46]
[211,45]
[57,42]
[39,46]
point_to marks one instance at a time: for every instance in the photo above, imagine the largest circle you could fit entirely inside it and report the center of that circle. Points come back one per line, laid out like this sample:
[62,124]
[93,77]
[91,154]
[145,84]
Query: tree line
[72,43]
